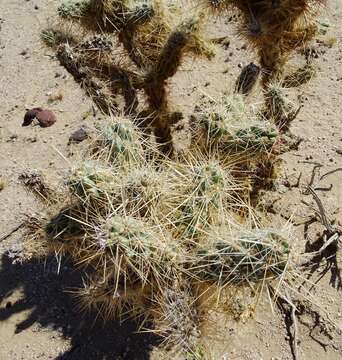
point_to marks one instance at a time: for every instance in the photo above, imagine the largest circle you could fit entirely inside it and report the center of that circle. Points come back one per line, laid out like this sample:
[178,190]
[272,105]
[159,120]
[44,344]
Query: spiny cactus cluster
[231,258]
[229,124]
[209,192]
[149,232]
[120,142]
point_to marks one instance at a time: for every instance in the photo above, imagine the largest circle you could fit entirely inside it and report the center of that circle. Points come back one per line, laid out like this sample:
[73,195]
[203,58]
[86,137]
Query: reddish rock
[46,118]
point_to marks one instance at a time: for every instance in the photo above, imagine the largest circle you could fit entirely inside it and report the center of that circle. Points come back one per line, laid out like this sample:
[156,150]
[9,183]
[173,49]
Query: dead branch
[329,173]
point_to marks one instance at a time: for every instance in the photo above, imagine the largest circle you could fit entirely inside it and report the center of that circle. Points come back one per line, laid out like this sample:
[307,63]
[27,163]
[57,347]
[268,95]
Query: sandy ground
[38,314]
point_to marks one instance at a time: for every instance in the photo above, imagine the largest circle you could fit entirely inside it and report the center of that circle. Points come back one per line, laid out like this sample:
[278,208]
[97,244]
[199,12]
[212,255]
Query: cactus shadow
[45,294]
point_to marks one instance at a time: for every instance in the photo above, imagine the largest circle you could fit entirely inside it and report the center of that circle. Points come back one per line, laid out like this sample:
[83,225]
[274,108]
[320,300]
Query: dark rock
[30,115]
[24,52]
[78,135]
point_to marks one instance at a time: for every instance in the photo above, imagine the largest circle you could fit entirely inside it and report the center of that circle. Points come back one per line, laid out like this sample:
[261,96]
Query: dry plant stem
[280,301]
[334,234]
[330,173]
[11,232]
[321,209]
[295,332]
[333,238]
[312,180]
[313,174]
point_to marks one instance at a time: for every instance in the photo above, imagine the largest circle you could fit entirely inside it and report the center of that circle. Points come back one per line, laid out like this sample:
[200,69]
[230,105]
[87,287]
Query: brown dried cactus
[274,28]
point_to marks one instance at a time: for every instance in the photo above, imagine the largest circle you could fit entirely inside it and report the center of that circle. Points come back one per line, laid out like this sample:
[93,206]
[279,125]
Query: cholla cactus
[93,185]
[149,232]
[145,192]
[64,225]
[53,37]
[143,26]
[129,248]
[131,259]
[221,117]
[279,108]
[144,234]
[176,318]
[120,143]
[112,300]
[242,257]
[184,38]
[233,127]
[203,192]
[74,9]
[255,138]
[156,37]
[96,88]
